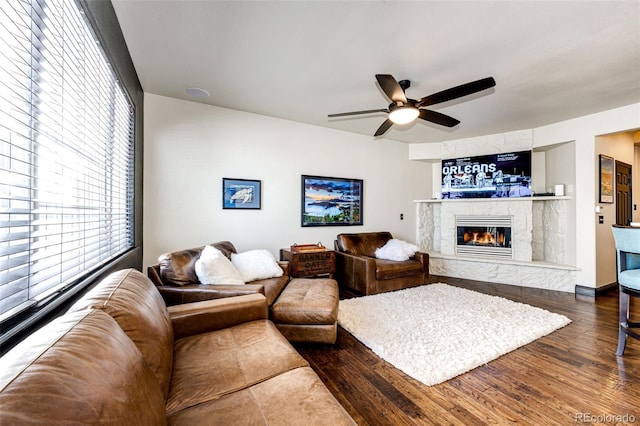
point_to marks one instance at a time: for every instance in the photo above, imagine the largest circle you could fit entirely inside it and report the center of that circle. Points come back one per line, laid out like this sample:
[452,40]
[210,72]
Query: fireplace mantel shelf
[465,200]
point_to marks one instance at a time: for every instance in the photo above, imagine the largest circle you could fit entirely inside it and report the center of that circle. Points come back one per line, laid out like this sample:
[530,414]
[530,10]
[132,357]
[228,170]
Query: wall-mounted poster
[505,175]
[606,179]
[329,201]
[241,193]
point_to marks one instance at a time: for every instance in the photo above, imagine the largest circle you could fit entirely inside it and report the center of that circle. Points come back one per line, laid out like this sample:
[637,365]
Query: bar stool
[627,240]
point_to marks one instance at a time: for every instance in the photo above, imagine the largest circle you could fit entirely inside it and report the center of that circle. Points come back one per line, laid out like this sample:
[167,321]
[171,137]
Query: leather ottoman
[307,310]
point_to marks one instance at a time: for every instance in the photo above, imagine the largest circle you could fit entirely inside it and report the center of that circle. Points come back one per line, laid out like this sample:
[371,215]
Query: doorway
[623,193]
[621,147]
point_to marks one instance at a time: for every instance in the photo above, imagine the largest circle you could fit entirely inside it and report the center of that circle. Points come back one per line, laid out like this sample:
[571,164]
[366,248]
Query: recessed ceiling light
[197,92]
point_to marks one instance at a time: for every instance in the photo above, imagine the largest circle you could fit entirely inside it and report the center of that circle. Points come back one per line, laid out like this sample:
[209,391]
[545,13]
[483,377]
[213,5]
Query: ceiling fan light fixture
[404,114]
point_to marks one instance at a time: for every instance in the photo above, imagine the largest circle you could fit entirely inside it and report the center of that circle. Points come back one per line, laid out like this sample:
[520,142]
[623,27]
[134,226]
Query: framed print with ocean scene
[241,193]
[330,201]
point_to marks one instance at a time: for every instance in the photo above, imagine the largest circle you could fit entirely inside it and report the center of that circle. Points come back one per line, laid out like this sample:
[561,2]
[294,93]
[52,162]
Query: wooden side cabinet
[311,263]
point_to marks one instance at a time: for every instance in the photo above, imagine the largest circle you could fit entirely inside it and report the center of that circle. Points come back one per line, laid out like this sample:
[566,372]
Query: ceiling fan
[404,110]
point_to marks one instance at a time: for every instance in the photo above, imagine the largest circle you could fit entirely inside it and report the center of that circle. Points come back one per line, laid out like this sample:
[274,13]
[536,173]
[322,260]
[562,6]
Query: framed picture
[330,201]
[241,194]
[606,179]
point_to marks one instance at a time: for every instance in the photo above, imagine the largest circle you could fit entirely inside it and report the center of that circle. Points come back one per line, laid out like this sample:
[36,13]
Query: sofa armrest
[284,264]
[355,271]
[191,319]
[424,259]
[177,295]
[153,272]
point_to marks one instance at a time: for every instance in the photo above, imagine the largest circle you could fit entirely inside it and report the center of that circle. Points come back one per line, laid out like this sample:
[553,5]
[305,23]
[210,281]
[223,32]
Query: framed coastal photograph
[331,201]
[241,193]
[606,179]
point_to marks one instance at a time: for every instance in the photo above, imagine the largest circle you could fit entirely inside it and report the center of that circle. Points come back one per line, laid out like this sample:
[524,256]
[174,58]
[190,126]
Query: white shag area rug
[435,332]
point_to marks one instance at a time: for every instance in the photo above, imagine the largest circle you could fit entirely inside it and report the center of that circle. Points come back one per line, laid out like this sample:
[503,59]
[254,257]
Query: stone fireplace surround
[538,241]
[544,246]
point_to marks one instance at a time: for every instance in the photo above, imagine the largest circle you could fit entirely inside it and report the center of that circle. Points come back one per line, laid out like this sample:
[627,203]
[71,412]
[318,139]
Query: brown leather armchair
[358,268]
[176,279]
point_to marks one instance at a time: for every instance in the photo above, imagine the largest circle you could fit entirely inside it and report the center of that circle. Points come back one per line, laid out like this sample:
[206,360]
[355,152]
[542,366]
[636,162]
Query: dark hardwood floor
[571,376]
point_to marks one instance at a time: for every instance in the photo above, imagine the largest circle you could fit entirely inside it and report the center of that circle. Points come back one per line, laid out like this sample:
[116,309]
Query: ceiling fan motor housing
[405,84]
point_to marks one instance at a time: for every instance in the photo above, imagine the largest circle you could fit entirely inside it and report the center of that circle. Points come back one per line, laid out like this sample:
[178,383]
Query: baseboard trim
[595,292]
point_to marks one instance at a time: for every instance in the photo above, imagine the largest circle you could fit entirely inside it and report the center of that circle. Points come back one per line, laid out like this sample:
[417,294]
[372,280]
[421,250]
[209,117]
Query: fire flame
[483,238]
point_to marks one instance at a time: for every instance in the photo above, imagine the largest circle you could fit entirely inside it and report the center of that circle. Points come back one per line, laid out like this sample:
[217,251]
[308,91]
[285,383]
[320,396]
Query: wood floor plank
[558,379]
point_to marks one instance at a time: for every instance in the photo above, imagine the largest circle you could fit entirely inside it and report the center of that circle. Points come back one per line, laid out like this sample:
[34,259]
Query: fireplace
[484,236]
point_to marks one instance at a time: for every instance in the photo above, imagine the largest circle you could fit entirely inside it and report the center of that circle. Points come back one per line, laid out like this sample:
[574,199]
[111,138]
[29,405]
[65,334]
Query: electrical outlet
[401,216]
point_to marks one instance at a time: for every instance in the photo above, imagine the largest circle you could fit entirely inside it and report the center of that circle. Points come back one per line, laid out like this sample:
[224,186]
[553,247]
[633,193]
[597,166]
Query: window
[66,154]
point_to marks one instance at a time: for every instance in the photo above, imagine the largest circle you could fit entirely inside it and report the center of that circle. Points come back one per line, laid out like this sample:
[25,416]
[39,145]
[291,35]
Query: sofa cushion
[133,301]
[297,397]
[364,243]
[210,365]
[179,267]
[213,267]
[390,269]
[79,368]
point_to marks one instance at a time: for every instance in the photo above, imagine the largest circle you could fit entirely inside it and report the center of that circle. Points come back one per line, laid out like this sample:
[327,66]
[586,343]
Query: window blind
[66,153]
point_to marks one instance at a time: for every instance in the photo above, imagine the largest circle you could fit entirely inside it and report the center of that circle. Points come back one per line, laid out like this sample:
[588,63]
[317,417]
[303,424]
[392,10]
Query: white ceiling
[301,60]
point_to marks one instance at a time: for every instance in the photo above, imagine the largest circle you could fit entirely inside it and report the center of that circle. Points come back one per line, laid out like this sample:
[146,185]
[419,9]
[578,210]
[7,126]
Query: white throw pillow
[396,250]
[214,267]
[256,265]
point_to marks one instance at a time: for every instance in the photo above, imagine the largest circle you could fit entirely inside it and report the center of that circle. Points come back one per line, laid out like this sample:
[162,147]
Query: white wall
[560,168]
[190,147]
[538,172]
[579,134]
[620,147]
[583,131]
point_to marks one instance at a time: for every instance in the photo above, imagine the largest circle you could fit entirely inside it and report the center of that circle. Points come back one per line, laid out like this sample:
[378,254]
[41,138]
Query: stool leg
[624,320]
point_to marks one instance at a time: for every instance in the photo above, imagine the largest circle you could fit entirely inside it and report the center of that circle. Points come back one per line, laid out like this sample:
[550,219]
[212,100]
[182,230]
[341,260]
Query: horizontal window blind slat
[15,304]
[12,236]
[13,223]
[9,275]
[14,287]
[13,262]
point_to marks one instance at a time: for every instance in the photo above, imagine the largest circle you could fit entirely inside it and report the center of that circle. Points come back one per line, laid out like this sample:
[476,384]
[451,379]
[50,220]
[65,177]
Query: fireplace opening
[489,236]
[484,236]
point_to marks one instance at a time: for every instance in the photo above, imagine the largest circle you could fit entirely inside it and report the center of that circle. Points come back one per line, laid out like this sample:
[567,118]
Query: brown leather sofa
[358,268]
[120,356]
[302,311]
[176,279]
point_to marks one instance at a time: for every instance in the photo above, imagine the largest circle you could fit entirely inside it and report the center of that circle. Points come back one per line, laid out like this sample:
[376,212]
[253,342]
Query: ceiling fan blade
[438,118]
[369,111]
[391,88]
[383,127]
[457,92]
